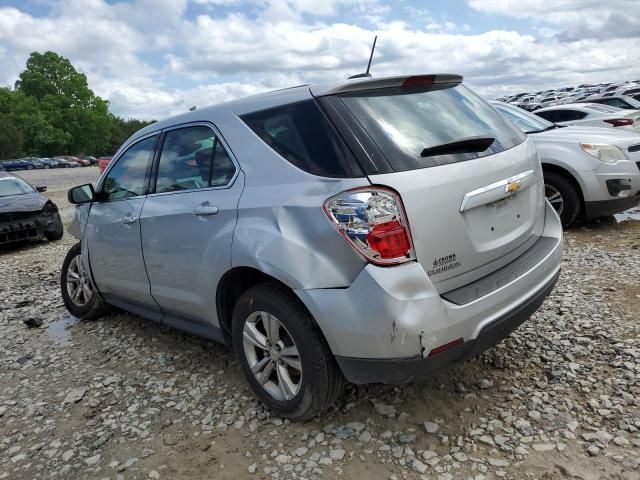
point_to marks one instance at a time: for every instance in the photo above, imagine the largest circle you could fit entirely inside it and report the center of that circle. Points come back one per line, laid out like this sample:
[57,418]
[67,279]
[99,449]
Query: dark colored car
[68,161]
[70,158]
[15,164]
[25,213]
[89,158]
[35,162]
[52,163]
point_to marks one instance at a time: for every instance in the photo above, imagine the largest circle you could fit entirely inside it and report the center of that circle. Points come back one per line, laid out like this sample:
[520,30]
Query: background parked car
[588,171]
[592,115]
[70,158]
[624,102]
[25,213]
[103,162]
[15,164]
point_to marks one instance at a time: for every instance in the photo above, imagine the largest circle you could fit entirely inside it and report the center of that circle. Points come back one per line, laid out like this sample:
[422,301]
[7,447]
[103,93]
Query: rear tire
[563,196]
[86,303]
[268,320]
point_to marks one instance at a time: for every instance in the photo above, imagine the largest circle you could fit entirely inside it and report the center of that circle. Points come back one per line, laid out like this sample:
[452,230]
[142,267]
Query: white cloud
[150,60]
[578,18]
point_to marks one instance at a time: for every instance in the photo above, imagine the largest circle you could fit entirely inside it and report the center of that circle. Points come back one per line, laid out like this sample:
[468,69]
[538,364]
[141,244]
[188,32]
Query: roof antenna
[367,74]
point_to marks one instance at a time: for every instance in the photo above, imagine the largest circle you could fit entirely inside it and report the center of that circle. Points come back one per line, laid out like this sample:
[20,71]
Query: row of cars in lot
[60,161]
[373,230]
[622,95]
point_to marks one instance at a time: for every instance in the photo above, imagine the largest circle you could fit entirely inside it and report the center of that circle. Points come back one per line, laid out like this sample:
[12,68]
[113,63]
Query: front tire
[563,197]
[57,230]
[283,354]
[78,293]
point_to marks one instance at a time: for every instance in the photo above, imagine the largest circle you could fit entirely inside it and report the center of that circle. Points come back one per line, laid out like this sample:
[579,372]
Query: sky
[156,58]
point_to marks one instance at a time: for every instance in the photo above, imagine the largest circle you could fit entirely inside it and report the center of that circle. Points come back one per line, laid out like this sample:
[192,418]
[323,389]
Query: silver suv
[373,230]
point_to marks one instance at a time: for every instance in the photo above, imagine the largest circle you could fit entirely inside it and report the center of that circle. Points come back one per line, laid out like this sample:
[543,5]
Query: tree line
[52,111]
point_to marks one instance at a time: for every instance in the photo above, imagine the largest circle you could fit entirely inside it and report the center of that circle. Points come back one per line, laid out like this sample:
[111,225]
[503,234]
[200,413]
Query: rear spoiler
[387,82]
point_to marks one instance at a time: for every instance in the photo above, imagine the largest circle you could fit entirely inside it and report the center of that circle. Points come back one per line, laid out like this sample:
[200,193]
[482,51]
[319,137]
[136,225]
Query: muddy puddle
[58,329]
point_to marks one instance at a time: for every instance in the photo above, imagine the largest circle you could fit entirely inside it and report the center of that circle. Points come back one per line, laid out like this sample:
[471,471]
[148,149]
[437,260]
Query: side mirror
[41,188]
[82,194]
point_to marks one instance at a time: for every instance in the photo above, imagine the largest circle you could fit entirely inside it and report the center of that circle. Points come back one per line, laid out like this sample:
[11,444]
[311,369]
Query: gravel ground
[121,397]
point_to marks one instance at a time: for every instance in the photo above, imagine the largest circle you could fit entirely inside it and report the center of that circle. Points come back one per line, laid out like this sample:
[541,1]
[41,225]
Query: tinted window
[223,168]
[14,186]
[615,102]
[549,115]
[301,134]
[405,121]
[562,115]
[190,159]
[130,174]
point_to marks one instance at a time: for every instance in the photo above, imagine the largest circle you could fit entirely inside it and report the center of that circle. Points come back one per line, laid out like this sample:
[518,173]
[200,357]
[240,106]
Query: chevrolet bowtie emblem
[513,187]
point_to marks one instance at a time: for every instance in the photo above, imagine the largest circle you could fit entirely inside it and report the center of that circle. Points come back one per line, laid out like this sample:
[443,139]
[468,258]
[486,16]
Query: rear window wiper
[465,145]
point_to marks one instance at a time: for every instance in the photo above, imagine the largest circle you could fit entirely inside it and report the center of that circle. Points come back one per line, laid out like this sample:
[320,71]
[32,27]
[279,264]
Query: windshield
[633,102]
[14,186]
[527,122]
[404,122]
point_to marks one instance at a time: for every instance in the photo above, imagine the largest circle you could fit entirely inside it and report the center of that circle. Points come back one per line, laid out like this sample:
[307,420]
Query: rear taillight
[373,221]
[620,122]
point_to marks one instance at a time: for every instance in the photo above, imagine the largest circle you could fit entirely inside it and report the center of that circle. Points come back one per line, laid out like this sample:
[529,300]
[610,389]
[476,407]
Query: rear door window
[403,122]
[301,134]
[192,158]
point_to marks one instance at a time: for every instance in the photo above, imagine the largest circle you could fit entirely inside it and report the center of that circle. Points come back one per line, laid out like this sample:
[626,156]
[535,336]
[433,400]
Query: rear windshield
[404,122]
[301,134]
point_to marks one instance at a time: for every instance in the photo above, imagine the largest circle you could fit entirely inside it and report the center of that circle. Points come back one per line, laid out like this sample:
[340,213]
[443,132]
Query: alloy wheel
[272,355]
[555,198]
[79,286]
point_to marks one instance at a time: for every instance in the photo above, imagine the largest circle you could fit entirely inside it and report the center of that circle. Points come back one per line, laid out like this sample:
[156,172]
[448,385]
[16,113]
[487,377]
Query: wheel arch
[550,167]
[234,283]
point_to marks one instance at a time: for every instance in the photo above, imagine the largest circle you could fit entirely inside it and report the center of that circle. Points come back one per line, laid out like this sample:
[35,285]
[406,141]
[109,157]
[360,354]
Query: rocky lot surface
[121,397]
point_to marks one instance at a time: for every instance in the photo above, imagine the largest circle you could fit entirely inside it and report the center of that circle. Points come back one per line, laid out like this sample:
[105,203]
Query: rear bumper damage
[385,325]
[405,370]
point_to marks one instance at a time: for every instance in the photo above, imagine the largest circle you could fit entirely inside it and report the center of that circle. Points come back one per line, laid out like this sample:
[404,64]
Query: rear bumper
[405,370]
[395,315]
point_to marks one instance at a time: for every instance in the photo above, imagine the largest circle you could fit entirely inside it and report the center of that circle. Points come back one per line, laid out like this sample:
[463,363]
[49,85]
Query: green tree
[53,111]
[50,74]
[10,138]
[122,129]
[78,120]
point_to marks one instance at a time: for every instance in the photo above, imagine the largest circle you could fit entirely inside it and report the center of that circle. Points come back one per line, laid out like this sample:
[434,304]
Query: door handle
[129,219]
[204,210]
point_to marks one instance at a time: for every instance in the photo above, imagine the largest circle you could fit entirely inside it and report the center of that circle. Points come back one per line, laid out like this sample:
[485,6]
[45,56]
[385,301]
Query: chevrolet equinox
[369,230]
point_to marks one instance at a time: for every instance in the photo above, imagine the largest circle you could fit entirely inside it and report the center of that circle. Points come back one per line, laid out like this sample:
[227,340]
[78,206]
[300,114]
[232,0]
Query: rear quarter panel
[282,229]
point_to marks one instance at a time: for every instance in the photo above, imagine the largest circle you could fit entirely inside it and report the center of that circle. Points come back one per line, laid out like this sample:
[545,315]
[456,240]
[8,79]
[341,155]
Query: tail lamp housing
[620,122]
[374,223]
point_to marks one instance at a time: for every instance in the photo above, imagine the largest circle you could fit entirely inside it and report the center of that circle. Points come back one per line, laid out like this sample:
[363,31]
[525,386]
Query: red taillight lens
[374,223]
[389,239]
[620,122]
